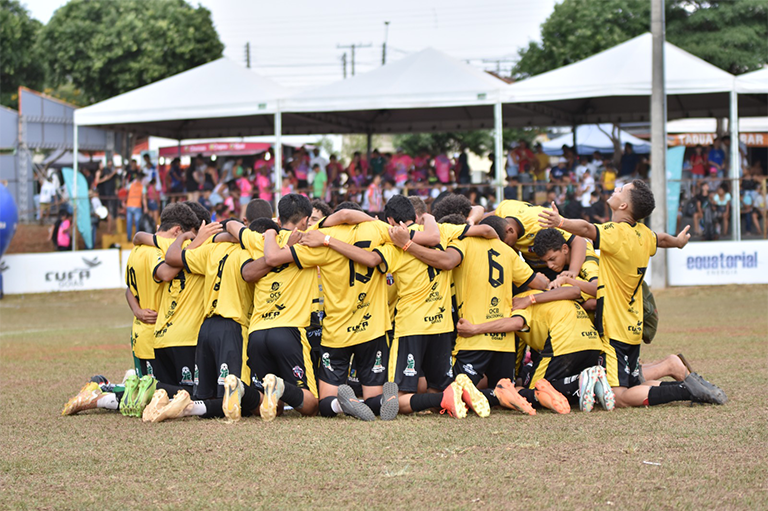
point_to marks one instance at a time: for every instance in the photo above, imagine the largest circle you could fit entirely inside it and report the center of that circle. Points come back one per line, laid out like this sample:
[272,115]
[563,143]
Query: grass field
[669,457]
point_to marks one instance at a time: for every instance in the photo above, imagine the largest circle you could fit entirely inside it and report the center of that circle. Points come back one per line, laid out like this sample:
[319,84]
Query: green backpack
[650,315]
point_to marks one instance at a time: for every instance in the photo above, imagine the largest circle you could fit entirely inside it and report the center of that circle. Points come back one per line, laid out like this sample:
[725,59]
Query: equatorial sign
[719,262]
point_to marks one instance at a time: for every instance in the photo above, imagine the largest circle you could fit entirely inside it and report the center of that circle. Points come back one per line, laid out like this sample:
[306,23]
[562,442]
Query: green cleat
[128,402]
[144,394]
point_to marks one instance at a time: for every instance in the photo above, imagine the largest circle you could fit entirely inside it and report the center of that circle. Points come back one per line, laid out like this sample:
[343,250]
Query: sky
[295,42]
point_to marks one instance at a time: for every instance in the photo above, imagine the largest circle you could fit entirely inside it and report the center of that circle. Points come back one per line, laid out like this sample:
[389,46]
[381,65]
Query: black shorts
[144,367]
[559,367]
[174,366]
[219,353]
[371,360]
[284,352]
[622,364]
[414,356]
[496,365]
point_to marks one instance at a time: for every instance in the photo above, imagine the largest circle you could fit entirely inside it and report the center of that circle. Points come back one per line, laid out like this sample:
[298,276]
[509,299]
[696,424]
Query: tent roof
[183,105]
[755,82]
[590,138]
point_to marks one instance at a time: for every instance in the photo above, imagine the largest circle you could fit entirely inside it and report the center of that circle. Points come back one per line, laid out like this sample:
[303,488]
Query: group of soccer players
[337,312]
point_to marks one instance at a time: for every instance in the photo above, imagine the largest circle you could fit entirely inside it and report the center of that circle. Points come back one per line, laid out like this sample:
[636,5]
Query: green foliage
[479,142]
[731,34]
[105,48]
[19,65]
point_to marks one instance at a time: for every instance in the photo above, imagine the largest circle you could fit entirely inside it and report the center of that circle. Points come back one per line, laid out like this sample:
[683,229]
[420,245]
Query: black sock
[213,408]
[426,401]
[293,396]
[325,407]
[530,395]
[119,397]
[251,399]
[668,383]
[569,387]
[491,397]
[374,403]
[668,393]
[171,389]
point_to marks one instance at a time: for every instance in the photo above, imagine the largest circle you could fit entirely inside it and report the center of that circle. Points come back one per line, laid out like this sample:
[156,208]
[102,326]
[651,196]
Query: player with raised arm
[625,247]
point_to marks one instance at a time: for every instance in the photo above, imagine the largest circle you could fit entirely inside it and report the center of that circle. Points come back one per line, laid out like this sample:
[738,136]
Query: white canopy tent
[594,137]
[755,82]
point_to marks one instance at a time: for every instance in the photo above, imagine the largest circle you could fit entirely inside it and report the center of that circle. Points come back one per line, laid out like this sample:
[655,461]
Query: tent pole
[368,144]
[735,165]
[575,146]
[658,138]
[498,149]
[278,156]
[75,165]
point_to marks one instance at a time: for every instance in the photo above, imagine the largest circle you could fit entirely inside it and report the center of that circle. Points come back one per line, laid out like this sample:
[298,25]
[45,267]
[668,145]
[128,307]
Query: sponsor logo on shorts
[150,370]
[298,372]
[223,373]
[186,376]
[410,366]
[469,369]
[326,361]
[197,375]
[377,365]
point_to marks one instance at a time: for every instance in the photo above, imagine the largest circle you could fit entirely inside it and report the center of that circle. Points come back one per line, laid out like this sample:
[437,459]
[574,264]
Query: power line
[352,46]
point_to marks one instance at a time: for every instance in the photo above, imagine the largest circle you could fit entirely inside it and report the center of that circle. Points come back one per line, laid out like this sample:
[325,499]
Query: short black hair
[258,208]
[453,218]
[546,240]
[293,208]
[450,204]
[400,209]
[179,214]
[322,207]
[202,214]
[263,224]
[641,200]
[348,204]
[418,204]
[497,223]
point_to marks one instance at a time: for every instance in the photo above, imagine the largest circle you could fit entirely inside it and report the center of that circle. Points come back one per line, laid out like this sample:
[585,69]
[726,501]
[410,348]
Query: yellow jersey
[355,297]
[138,278]
[624,253]
[181,309]
[484,280]
[591,267]
[527,217]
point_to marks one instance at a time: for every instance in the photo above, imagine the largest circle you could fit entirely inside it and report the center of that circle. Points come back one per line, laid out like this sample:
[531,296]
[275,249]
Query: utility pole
[352,47]
[384,45]
[248,55]
[659,137]
[498,63]
[344,64]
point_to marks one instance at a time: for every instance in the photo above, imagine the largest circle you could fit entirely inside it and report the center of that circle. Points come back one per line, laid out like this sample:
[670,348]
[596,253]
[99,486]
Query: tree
[19,65]
[105,48]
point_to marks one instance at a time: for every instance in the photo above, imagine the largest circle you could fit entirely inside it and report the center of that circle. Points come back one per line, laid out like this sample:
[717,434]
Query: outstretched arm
[144,238]
[552,218]
[561,293]
[254,270]
[273,254]
[578,255]
[440,259]
[467,329]
[430,236]
[668,241]
[317,239]
[589,288]
[482,231]
[347,216]
[173,255]
[475,215]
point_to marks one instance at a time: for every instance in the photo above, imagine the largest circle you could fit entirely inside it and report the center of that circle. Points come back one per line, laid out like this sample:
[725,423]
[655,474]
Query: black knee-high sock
[293,396]
[426,401]
[569,387]
[172,389]
[213,408]
[491,397]
[251,399]
[530,395]
[374,403]
[667,393]
[325,407]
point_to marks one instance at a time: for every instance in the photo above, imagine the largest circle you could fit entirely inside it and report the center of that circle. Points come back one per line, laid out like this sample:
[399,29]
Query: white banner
[718,262]
[61,271]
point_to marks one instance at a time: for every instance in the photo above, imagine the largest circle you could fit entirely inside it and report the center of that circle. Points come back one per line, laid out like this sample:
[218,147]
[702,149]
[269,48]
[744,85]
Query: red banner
[217,148]
[706,139]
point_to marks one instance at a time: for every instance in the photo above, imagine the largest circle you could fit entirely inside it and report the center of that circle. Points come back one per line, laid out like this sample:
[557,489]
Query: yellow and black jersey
[181,309]
[424,303]
[226,294]
[355,297]
[558,328]
[138,278]
[527,217]
[589,270]
[624,253]
[484,280]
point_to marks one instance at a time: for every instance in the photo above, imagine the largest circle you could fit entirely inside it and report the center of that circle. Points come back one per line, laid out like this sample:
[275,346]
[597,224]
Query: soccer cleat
[603,391]
[152,410]
[587,380]
[474,399]
[453,401]
[273,391]
[147,386]
[703,393]
[350,405]
[509,397]
[84,400]
[176,408]
[550,398]
[128,402]
[390,405]
[233,394]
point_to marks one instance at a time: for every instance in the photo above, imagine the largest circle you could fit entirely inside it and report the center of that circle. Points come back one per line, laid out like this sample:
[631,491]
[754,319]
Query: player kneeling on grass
[625,247]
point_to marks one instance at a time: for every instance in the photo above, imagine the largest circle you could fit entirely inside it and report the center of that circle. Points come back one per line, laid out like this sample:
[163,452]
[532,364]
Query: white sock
[108,401]
[335,406]
[198,408]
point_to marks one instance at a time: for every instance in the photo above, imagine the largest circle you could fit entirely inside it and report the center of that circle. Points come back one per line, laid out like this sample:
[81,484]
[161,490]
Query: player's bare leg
[671,367]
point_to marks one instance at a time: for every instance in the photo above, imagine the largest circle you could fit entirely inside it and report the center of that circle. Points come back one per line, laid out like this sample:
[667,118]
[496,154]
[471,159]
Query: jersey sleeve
[383,229]
[460,246]
[391,257]
[525,314]
[195,260]
[306,257]
[450,232]
[608,237]
[522,274]
[252,241]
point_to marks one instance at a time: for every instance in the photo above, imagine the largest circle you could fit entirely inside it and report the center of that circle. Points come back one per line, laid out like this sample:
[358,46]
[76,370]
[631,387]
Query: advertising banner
[718,262]
[61,271]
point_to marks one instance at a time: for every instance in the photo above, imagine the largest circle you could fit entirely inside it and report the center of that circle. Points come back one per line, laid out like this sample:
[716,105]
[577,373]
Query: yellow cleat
[179,406]
[474,399]
[84,400]
[233,394]
[152,410]
[273,391]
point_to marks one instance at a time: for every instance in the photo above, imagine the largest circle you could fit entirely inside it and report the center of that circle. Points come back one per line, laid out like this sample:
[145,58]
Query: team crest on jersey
[377,366]
[326,360]
[390,279]
[197,375]
[223,373]
[410,366]
[275,286]
[494,301]
[186,376]
[298,372]
[361,297]
[470,369]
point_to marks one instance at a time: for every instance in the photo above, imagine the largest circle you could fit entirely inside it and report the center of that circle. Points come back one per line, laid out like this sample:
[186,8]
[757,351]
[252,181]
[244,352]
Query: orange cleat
[452,401]
[551,398]
[509,397]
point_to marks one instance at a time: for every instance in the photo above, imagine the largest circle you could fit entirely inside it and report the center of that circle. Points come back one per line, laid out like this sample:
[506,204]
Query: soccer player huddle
[337,312]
